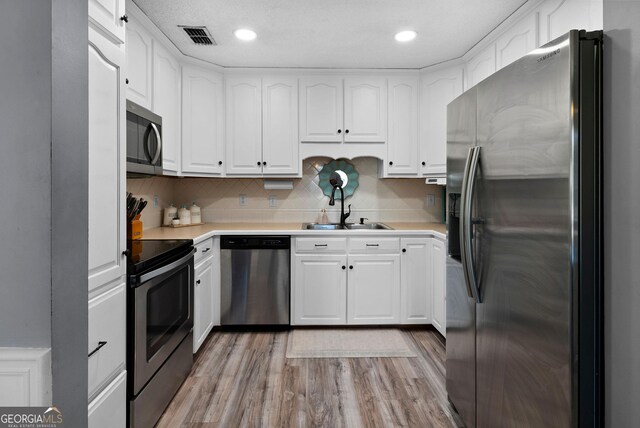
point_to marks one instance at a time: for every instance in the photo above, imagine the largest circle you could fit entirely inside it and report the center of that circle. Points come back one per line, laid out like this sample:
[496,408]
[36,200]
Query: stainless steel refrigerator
[524,266]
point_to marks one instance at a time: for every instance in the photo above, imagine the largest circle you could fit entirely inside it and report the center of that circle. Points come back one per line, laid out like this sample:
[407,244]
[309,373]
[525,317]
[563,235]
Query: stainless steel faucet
[336,183]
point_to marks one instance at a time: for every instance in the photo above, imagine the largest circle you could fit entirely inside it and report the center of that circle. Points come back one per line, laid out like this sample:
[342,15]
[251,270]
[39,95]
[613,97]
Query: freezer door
[526,217]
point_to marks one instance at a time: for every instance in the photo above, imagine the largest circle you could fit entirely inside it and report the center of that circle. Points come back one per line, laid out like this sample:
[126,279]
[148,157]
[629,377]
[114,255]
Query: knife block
[134,228]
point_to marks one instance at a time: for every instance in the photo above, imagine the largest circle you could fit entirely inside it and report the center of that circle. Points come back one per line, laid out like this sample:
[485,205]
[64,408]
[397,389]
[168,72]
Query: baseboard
[25,377]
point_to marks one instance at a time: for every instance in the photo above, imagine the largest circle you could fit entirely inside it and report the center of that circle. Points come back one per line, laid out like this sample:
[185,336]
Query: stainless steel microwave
[144,141]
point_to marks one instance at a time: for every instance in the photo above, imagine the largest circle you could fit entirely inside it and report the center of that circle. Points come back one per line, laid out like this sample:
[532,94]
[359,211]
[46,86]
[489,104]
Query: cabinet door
[437,89]
[438,275]
[203,299]
[109,409]
[202,122]
[107,186]
[415,281]
[106,14]
[365,110]
[319,289]
[321,115]
[166,103]
[557,17]
[280,126]
[517,41]
[139,63]
[244,126]
[402,148]
[481,66]
[373,295]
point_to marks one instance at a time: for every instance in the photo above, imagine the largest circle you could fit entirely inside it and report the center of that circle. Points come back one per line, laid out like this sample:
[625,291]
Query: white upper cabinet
[110,16]
[106,161]
[321,110]
[202,122]
[365,110]
[402,149]
[559,16]
[437,89]
[244,125]
[517,41]
[139,48]
[481,66]
[280,126]
[166,103]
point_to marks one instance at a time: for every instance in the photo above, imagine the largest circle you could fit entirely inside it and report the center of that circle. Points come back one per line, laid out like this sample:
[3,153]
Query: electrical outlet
[273,201]
[243,200]
[155,201]
[431,200]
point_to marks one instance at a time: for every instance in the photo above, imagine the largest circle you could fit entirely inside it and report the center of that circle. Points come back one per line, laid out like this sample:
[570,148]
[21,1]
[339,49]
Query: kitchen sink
[350,226]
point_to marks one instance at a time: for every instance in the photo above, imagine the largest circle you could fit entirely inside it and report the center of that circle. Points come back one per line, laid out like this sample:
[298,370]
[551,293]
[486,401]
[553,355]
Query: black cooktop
[148,253]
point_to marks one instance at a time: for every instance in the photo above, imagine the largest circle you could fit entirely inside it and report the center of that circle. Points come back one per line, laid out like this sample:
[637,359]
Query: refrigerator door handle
[466,223]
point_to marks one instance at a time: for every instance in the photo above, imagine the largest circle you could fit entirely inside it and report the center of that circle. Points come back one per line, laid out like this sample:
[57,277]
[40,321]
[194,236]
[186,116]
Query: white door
[402,148]
[202,122]
[166,103]
[415,284]
[203,298]
[109,14]
[373,295]
[139,63]
[517,41]
[321,110]
[365,110]
[481,66]
[438,275]
[319,289]
[107,185]
[437,89]
[280,126]
[244,126]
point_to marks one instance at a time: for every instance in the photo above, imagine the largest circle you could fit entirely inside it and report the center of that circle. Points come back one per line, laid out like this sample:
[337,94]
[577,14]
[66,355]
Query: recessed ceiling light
[245,34]
[406,36]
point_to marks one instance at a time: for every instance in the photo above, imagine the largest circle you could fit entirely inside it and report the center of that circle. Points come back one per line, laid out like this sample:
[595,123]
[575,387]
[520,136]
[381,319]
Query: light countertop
[199,233]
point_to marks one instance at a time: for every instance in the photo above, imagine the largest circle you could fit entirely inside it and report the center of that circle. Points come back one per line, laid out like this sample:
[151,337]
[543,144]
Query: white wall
[622,212]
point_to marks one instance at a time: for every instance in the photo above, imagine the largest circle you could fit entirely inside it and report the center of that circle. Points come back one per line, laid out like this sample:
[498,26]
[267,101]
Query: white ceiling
[330,33]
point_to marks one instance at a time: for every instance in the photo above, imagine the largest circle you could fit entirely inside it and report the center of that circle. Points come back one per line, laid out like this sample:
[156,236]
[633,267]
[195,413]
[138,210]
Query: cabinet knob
[126,81]
[219,162]
[404,250]
[126,252]
[198,282]
[344,267]
[259,163]
[423,163]
[390,162]
[346,131]
[350,266]
[124,18]
[264,163]
[339,131]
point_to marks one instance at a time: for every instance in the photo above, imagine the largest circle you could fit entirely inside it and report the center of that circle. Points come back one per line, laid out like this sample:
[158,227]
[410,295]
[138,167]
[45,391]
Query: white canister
[170,213]
[185,215]
[196,213]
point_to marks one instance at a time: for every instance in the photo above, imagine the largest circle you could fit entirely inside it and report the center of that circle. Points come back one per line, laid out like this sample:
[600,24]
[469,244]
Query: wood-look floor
[242,379]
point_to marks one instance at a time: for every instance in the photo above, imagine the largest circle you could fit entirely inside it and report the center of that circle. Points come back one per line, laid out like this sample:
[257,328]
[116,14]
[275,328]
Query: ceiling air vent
[199,35]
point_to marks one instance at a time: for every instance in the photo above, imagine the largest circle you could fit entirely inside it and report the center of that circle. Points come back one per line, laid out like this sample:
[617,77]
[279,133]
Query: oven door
[162,316]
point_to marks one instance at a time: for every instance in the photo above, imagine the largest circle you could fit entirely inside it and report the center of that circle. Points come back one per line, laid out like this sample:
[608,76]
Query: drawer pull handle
[100,345]
[320,245]
[205,250]
[373,245]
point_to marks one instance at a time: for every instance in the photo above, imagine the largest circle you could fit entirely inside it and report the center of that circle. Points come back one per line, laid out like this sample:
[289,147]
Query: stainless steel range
[160,322]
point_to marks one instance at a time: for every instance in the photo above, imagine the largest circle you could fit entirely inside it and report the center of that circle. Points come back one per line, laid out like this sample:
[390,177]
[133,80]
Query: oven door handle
[168,268]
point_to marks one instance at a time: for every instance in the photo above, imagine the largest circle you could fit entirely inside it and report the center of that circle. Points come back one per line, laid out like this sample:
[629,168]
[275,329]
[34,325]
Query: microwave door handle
[467,223]
[159,150]
[156,273]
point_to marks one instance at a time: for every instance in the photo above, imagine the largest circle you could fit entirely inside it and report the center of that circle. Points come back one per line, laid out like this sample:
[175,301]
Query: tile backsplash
[390,199]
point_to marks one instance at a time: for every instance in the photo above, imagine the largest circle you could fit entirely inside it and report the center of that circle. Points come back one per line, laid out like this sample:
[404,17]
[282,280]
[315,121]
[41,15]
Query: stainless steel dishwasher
[255,280]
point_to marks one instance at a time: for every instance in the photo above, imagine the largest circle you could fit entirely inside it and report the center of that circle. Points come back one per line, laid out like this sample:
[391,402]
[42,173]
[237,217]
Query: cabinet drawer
[107,318]
[203,250]
[321,245]
[374,245]
[109,409]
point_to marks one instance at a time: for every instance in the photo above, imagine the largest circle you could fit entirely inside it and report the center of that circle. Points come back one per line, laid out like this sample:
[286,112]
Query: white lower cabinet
[415,281]
[108,410]
[438,279]
[203,311]
[373,289]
